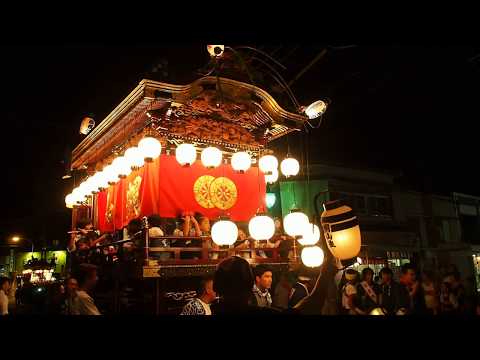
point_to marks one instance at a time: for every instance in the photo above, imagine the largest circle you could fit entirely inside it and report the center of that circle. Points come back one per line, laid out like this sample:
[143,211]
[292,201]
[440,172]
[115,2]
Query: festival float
[174,150]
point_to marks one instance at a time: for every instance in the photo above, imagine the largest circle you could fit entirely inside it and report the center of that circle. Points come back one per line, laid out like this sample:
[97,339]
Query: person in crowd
[56,299]
[205,296]
[87,279]
[282,292]
[4,291]
[430,293]
[299,291]
[408,280]
[349,294]
[458,290]
[448,301]
[452,296]
[282,241]
[263,283]
[394,299]
[244,242]
[156,230]
[368,292]
[71,288]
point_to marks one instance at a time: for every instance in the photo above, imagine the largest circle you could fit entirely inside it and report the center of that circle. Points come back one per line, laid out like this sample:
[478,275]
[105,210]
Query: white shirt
[3,303]
[83,304]
[206,306]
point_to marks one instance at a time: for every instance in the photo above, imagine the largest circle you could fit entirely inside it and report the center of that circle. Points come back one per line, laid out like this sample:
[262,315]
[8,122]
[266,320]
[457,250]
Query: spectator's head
[351,276]
[408,273]
[205,289]
[85,224]
[242,233]
[134,226]
[386,274]
[278,225]
[263,276]
[234,280]
[203,223]
[155,221]
[87,276]
[71,286]
[367,275]
[5,284]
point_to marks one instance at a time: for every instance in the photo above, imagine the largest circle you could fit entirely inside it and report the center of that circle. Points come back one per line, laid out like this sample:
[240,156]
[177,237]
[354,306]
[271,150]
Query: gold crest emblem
[133,201]
[201,190]
[223,193]
[109,208]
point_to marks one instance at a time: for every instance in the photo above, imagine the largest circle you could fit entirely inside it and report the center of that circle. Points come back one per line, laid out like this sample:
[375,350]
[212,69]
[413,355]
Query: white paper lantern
[241,161]
[92,187]
[224,232]
[70,201]
[312,256]
[111,175]
[77,195]
[289,167]
[134,157]
[84,190]
[150,148]
[295,223]
[316,109]
[267,164]
[211,157]
[272,177]
[215,50]
[122,167]
[261,227]
[102,181]
[310,235]
[186,154]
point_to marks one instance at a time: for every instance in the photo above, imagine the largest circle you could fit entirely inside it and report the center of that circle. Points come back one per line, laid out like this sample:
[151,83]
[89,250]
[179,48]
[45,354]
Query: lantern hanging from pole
[224,232]
[186,154]
[312,256]
[211,157]
[241,161]
[341,229]
[70,201]
[289,167]
[122,167]
[77,195]
[261,227]
[134,157]
[102,181]
[111,175]
[310,235]
[267,164]
[295,223]
[150,148]
[272,177]
[92,184]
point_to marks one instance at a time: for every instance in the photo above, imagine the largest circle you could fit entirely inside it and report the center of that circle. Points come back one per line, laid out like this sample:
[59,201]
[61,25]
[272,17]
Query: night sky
[394,108]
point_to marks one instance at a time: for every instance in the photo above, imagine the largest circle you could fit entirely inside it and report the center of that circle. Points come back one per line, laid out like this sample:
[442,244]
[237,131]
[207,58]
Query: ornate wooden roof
[210,110]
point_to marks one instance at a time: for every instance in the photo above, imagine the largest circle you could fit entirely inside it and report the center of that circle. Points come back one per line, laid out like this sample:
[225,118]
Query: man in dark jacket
[415,292]
[394,298]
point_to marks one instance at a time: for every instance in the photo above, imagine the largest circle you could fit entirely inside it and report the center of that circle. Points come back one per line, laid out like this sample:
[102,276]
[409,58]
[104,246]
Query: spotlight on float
[267,164]
[241,161]
[315,109]
[150,148]
[272,177]
[310,235]
[211,157]
[270,199]
[134,157]
[215,50]
[224,231]
[261,227]
[312,256]
[341,229]
[295,222]
[186,154]
[289,167]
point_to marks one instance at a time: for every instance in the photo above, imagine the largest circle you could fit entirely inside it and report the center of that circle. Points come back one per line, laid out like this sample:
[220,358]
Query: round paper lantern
[122,167]
[267,164]
[215,50]
[110,175]
[289,167]
[186,154]
[224,232]
[341,230]
[261,227]
[310,235]
[102,181]
[316,109]
[77,195]
[70,201]
[270,199]
[211,157]
[241,161]
[84,190]
[312,256]
[295,223]
[150,148]
[272,177]
[134,157]
[92,185]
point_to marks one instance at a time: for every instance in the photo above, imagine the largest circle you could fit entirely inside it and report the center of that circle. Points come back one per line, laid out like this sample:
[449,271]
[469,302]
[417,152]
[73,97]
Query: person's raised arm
[71,244]
[186,226]
[198,232]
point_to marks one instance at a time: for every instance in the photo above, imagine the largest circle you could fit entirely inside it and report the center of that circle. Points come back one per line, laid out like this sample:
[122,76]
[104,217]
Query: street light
[16,238]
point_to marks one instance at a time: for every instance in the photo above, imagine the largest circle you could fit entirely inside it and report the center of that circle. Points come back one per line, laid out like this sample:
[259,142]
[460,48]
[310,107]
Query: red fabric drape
[166,188]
